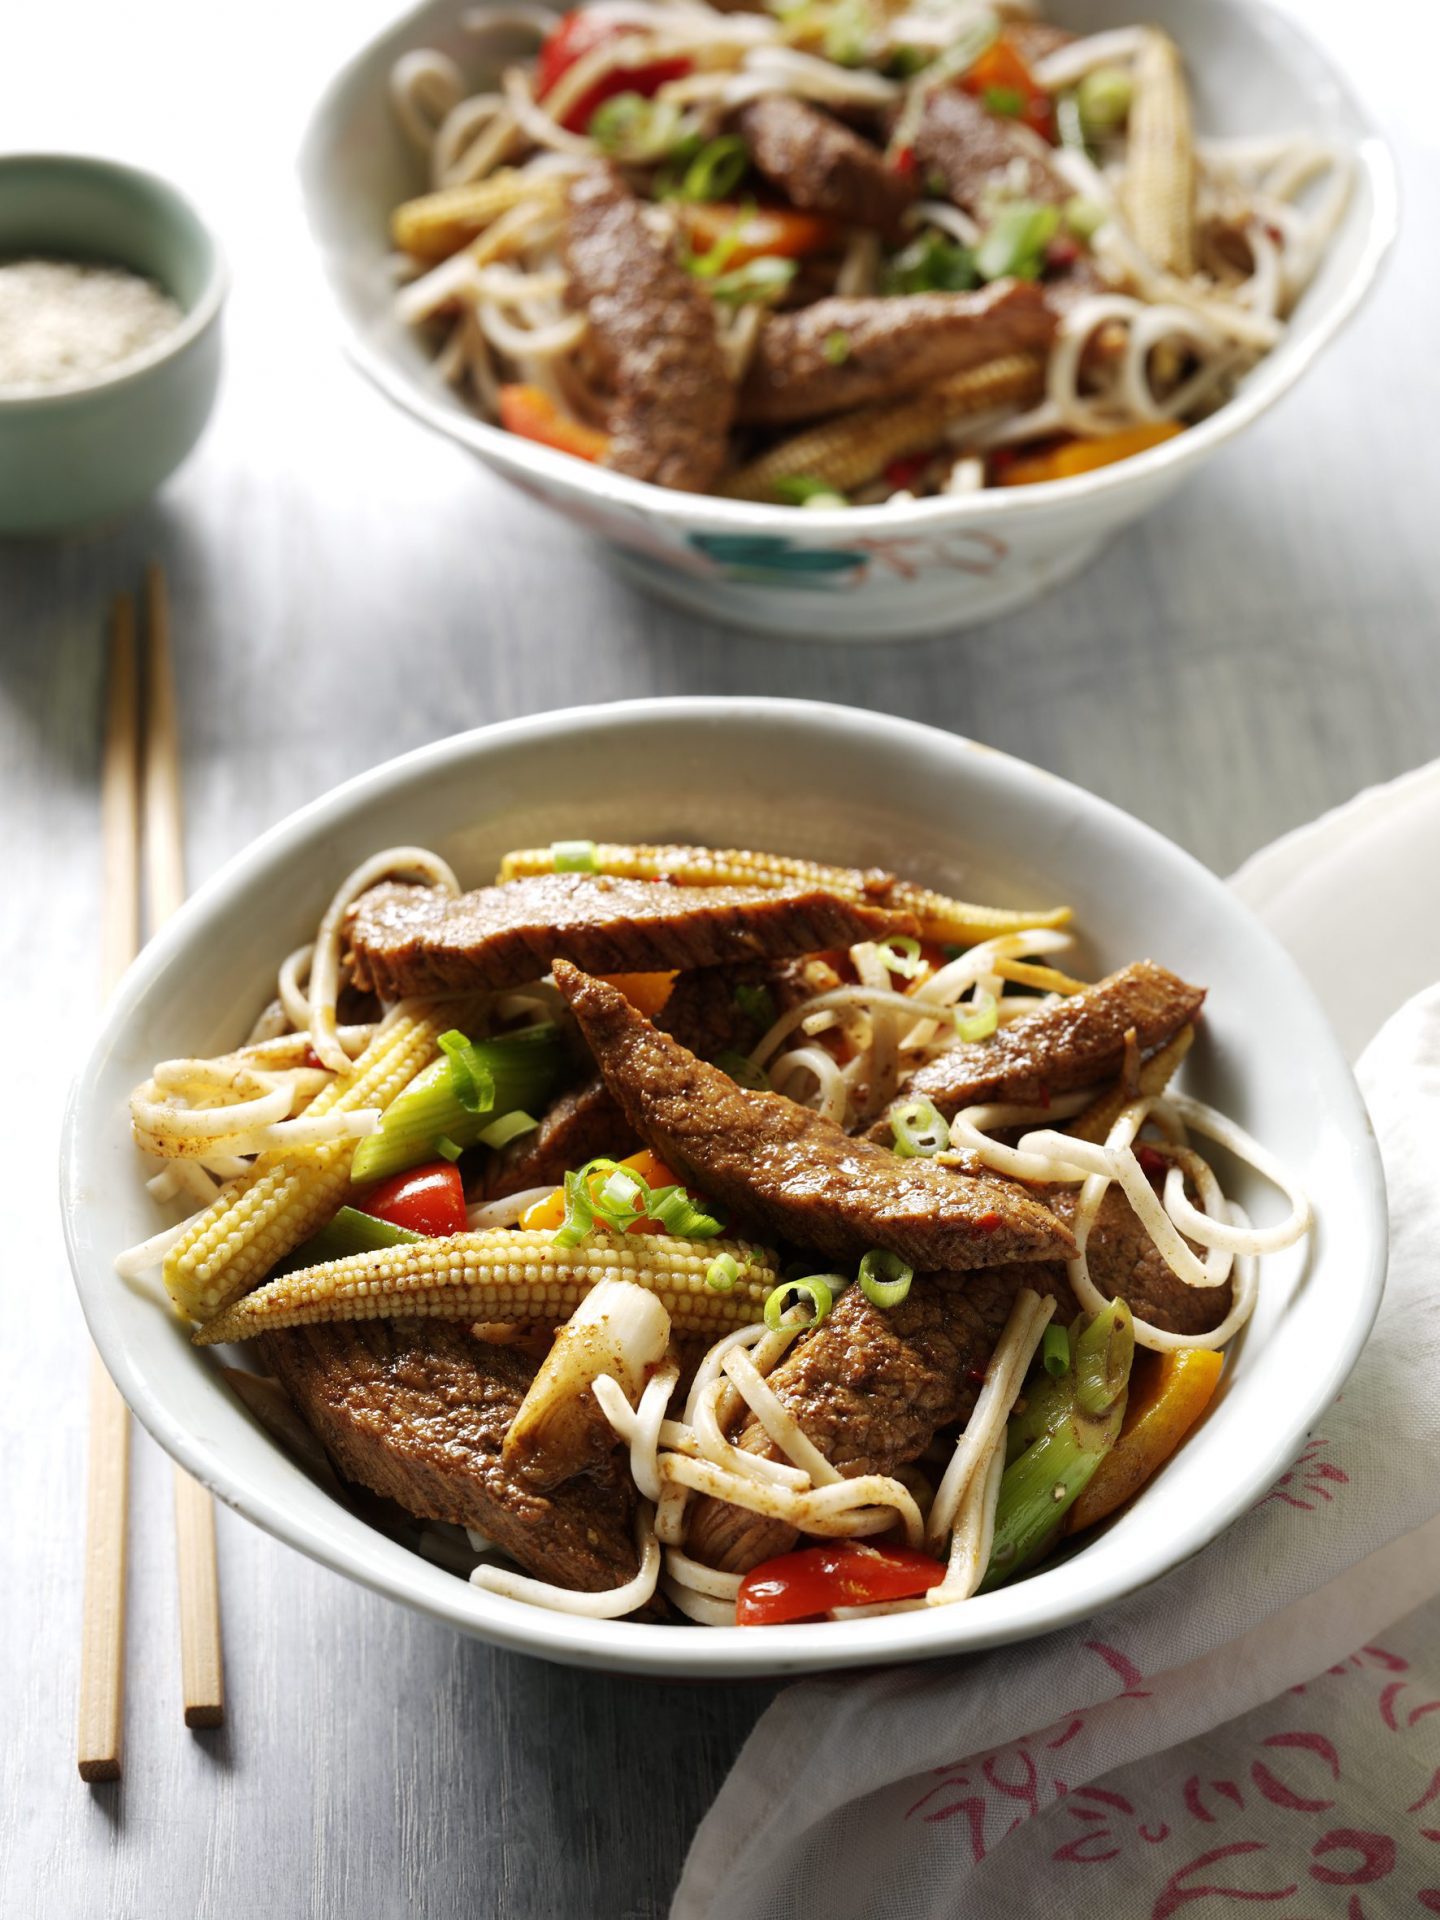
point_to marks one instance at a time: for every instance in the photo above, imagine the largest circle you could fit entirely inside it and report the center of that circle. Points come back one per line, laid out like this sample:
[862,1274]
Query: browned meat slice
[1123,1259]
[972,152]
[417,1411]
[415,940]
[655,334]
[871,1388]
[789,1173]
[841,353]
[1068,1044]
[820,165]
[580,1124]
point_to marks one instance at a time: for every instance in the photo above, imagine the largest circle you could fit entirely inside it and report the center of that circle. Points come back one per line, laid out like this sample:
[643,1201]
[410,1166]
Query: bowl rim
[197,319]
[640,1647]
[1263,388]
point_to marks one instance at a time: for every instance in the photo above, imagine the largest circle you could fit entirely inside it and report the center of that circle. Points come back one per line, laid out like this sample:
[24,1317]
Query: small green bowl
[89,453]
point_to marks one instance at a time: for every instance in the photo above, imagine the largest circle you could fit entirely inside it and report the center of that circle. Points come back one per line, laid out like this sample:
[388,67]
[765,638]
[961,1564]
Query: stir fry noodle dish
[833,253]
[708,1237]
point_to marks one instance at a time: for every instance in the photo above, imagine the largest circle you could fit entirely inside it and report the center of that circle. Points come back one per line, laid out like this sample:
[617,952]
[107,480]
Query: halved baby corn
[941,918]
[855,449]
[1159,192]
[259,1217]
[506,1277]
[438,224]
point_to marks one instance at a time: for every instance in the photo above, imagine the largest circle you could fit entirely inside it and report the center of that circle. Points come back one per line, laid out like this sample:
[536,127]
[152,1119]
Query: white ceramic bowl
[808,779]
[873,572]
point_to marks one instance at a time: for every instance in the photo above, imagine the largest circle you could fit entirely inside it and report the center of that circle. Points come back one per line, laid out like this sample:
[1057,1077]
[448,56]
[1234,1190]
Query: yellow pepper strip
[1168,1394]
[548,1215]
[1083,456]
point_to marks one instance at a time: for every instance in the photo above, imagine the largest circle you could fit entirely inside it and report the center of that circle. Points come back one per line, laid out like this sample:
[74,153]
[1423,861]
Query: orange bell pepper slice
[1083,456]
[647,992]
[1168,1394]
[531,413]
[754,233]
[1000,72]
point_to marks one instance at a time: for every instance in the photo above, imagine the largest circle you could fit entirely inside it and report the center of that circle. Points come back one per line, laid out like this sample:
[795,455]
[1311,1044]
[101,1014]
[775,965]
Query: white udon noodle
[1101,371]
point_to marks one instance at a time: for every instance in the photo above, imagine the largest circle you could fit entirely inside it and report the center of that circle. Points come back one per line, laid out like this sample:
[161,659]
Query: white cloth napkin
[1069,1776]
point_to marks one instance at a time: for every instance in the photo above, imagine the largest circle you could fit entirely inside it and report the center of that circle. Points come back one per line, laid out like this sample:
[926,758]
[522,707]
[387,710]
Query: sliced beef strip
[820,165]
[790,1174]
[655,334]
[891,347]
[579,1124]
[414,940]
[1067,1044]
[1123,1259]
[973,153]
[417,1411]
[872,1387]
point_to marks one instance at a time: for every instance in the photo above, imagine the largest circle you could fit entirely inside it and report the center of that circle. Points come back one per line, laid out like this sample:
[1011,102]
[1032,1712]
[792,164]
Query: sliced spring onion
[722,1273]
[977,1019]
[579,1213]
[351,1231]
[631,127]
[815,1287]
[762,279]
[461,1097]
[507,1128]
[1084,218]
[1007,102]
[678,1214]
[800,490]
[1014,245]
[905,62]
[836,347]
[901,954]
[717,170]
[884,1278]
[573,856]
[743,1071]
[758,1003]
[447,1148]
[931,263]
[1055,1351]
[920,1129]
[1104,97]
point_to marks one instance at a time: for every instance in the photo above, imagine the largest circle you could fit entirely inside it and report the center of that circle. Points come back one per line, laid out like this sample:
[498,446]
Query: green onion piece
[574,856]
[756,1003]
[673,1208]
[920,1129]
[1069,125]
[981,1020]
[351,1231]
[717,170]
[444,1101]
[743,1071]
[901,954]
[1055,1352]
[836,347]
[850,27]
[614,1196]
[816,1288]
[632,128]
[801,490]
[722,1273]
[905,62]
[1007,102]
[1084,218]
[884,1278]
[762,279]
[579,1213]
[932,263]
[507,1128]
[1014,246]
[1104,97]
[470,1079]
[446,1148]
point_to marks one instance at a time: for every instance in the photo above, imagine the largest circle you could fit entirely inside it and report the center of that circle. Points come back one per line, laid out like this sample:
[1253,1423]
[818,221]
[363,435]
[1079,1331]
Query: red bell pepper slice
[580,33]
[807,1584]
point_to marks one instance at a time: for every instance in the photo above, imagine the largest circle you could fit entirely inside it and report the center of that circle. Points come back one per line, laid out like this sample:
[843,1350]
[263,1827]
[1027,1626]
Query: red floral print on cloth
[1311,1481]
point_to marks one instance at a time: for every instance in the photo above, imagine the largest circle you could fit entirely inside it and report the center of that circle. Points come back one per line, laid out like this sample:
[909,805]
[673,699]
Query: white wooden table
[346,588]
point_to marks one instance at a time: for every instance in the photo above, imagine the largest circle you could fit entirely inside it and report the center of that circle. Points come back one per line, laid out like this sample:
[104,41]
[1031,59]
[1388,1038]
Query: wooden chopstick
[102,1641]
[202,1671]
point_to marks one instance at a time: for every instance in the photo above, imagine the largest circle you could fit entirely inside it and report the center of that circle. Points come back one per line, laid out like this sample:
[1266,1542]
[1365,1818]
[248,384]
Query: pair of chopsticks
[143,850]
